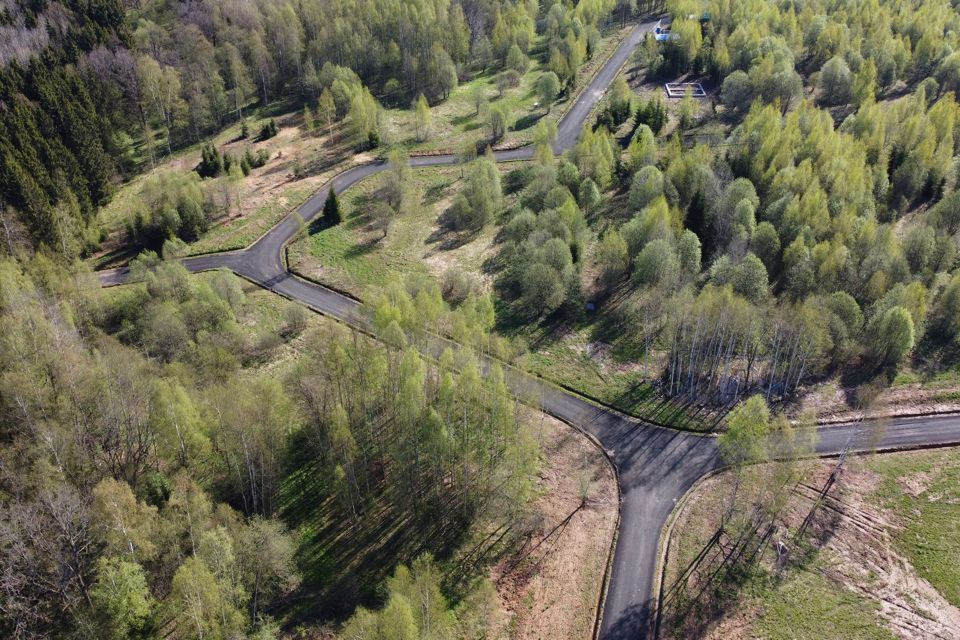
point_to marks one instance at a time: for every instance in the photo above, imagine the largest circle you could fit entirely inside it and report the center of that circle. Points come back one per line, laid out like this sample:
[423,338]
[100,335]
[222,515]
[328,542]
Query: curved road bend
[656,466]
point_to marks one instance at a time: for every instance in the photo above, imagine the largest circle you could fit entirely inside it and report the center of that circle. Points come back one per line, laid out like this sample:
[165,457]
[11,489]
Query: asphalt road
[656,466]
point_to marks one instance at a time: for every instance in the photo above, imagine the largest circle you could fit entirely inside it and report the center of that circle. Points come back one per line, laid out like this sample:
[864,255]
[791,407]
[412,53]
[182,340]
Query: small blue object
[591,306]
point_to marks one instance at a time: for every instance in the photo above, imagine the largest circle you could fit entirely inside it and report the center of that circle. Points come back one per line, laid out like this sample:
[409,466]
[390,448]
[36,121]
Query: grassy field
[802,603]
[273,191]
[579,358]
[923,491]
[807,606]
[884,556]
[299,164]
[239,233]
[357,258]
[113,216]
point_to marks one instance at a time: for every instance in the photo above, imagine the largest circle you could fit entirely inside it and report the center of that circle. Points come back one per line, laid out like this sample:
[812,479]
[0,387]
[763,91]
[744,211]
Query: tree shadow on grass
[714,581]
[362,248]
[344,560]
[447,240]
[644,399]
[435,192]
[318,224]
[528,121]
[121,255]
[862,381]
[464,119]
[934,356]
[447,236]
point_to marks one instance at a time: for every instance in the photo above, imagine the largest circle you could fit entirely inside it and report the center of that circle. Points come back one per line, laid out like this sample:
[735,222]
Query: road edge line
[598,403]
[663,546]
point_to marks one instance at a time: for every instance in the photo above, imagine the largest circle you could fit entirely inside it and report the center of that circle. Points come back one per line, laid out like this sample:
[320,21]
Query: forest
[160,442]
[93,93]
[155,437]
[795,228]
[147,450]
[811,236]
[826,207]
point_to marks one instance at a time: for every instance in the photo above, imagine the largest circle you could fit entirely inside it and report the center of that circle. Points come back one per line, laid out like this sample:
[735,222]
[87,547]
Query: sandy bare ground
[554,591]
[867,562]
[854,540]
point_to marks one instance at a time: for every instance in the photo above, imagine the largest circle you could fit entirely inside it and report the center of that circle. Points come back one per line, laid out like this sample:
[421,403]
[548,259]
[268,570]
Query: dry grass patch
[551,587]
[878,559]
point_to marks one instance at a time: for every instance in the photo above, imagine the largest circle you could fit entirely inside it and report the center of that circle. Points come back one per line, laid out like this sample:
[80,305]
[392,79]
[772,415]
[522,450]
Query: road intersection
[656,466]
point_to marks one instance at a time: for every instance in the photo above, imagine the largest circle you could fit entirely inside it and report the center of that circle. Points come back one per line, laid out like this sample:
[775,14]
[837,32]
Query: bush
[299,171]
[517,59]
[737,91]
[653,114]
[254,161]
[657,265]
[765,243]
[170,205]
[268,130]
[295,318]
[456,285]
[646,186]
[836,82]
[542,291]
[211,162]
[893,335]
[689,252]
[509,79]
[750,279]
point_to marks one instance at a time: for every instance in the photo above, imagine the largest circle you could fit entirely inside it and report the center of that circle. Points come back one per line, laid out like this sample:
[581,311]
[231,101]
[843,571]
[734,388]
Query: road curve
[656,466]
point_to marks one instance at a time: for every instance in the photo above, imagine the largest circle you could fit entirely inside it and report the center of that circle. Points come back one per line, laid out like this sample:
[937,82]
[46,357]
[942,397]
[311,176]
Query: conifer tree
[331,209]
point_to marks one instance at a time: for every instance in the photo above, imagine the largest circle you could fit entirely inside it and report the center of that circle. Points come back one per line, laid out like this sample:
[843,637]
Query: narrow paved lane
[656,466]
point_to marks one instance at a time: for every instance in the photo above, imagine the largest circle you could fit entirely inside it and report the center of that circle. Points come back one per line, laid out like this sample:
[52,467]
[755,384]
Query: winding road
[656,466]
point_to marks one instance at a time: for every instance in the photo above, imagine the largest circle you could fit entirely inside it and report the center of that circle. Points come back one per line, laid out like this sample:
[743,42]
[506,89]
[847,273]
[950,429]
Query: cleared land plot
[356,257]
[271,192]
[879,559]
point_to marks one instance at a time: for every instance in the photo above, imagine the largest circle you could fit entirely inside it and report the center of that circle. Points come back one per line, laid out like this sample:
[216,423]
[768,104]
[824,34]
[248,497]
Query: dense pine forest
[165,447]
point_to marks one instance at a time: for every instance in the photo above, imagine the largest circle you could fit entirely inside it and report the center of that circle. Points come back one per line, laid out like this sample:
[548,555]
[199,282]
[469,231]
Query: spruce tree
[211,162]
[331,209]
